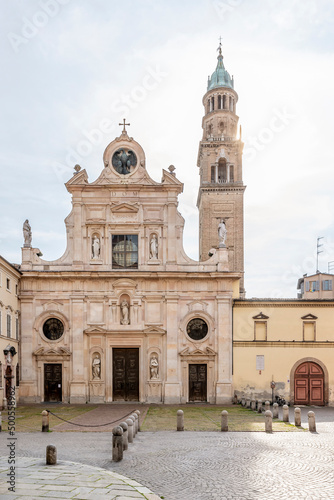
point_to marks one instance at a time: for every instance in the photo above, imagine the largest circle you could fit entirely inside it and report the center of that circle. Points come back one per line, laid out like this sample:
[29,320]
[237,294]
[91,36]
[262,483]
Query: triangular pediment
[198,352]
[95,329]
[124,208]
[80,178]
[154,330]
[260,316]
[197,305]
[309,316]
[52,351]
[168,178]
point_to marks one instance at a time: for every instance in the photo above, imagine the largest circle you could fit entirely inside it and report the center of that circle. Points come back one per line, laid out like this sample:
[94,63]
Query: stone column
[28,384]
[77,384]
[224,348]
[172,384]
[77,232]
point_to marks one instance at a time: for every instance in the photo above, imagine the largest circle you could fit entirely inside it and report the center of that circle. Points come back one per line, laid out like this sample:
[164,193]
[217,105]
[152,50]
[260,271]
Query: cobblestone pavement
[68,480]
[210,465]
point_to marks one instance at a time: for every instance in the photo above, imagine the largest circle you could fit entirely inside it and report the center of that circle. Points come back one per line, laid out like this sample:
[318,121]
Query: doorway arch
[309,383]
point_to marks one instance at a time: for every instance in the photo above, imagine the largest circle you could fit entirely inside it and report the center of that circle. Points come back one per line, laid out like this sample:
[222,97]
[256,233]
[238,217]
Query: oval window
[197,329]
[53,329]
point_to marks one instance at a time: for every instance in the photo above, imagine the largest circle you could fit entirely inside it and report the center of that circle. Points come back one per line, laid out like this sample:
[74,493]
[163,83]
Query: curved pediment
[60,352]
[124,283]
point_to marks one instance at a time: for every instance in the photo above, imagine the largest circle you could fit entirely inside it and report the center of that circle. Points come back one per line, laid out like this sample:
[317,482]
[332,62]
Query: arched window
[208,106]
[219,102]
[222,171]
[212,103]
[224,101]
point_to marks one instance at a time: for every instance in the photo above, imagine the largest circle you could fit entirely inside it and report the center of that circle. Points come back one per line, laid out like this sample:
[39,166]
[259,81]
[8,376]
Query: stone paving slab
[103,483]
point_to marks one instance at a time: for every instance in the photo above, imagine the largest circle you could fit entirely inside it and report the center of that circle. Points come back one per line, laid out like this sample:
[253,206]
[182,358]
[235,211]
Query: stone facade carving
[96,367]
[154,367]
[27,234]
[222,233]
[125,312]
[154,247]
[96,248]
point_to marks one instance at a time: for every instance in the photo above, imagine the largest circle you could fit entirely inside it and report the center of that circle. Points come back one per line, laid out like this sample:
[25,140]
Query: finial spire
[220,45]
[124,124]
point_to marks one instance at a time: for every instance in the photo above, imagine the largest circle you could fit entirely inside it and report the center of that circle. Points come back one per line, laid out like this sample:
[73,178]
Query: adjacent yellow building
[9,328]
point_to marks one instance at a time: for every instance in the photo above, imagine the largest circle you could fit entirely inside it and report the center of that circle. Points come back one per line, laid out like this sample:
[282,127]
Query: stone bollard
[275,410]
[4,404]
[235,399]
[136,422]
[179,420]
[45,421]
[268,421]
[138,413]
[124,426]
[131,417]
[224,421]
[253,405]
[51,455]
[117,444]
[248,403]
[267,406]
[298,417]
[129,421]
[259,406]
[285,413]
[243,401]
[311,421]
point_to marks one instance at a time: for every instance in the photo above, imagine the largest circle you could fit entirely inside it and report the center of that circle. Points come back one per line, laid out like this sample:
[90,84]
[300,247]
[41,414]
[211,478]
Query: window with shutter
[307,286]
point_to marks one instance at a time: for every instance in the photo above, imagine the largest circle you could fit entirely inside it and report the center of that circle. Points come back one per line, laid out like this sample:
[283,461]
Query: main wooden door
[197,383]
[309,384]
[52,382]
[125,374]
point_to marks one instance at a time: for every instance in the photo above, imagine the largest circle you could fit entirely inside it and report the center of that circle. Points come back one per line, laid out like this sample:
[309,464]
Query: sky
[73,69]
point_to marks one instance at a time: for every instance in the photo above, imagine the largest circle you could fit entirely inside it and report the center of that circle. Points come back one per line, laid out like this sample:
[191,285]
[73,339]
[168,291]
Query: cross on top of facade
[124,124]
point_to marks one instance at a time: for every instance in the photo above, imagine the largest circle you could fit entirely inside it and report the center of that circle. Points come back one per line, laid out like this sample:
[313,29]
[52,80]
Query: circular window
[53,329]
[197,329]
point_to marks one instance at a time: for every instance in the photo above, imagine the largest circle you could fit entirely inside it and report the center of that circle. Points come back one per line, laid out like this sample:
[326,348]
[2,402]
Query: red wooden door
[309,384]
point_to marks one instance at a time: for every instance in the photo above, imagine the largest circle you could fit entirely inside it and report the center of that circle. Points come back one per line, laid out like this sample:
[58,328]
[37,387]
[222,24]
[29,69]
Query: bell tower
[221,188]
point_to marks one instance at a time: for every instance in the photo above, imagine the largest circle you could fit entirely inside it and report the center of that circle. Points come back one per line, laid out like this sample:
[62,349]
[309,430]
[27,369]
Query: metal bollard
[268,421]
[311,421]
[285,413]
[259,406]
[253,405]
[224,421]
[129,421]
[179,420]
[138,413]
[124,426]
[267,406]
[51,455]
[298,417]
[45,421]
[275,410]
[117,444]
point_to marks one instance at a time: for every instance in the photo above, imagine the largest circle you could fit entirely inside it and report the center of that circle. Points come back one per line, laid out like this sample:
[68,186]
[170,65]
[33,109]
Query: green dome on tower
[220,77]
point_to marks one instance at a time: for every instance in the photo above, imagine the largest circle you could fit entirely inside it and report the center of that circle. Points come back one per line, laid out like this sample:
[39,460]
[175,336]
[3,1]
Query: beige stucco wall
[284,348]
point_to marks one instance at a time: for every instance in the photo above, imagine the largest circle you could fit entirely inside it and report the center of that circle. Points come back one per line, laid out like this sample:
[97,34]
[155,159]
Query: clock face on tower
[124,161]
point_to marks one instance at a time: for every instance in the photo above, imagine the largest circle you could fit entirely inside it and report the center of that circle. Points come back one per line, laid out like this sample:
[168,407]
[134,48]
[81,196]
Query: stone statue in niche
[154,247]
[96,249]
[96,367]
[27,234]
[125,312]
[154,367]
[222,232]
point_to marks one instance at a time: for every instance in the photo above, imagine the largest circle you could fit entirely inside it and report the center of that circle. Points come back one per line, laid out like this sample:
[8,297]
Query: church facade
[126,315]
